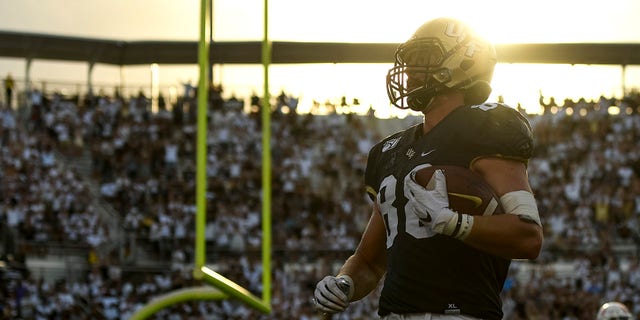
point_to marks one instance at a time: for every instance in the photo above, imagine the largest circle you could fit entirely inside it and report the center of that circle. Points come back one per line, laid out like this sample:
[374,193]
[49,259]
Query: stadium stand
[97,207]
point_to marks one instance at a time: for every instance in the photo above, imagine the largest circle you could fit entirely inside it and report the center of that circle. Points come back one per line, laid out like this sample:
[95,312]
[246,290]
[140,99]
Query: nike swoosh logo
[477,201]
[424,154]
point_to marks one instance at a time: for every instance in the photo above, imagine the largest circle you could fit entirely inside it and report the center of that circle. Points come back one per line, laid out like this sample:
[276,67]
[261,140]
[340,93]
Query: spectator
[44,199]
[9,85]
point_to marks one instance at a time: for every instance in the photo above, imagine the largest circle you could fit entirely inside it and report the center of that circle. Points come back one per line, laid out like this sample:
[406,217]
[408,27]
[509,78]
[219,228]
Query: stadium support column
[155,86]
[121,83]
[89,78]
[624,80]
[27,86]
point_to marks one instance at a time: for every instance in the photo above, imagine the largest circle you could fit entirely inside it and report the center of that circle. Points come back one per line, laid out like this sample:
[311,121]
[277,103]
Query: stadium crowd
[586,176]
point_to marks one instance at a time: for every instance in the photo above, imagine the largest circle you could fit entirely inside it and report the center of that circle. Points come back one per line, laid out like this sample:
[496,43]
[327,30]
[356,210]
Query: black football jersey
[429,272]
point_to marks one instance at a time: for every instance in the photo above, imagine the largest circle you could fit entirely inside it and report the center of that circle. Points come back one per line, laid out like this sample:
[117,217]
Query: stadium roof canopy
[53,47]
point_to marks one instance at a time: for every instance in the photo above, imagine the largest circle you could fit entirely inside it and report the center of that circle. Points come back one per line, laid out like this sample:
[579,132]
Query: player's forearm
[506,236]
[365,276]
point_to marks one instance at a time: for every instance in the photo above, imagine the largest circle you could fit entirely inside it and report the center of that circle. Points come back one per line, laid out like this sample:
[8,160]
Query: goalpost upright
[223,288]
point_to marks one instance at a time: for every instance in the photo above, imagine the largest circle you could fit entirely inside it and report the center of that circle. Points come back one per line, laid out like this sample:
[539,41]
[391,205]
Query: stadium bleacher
[99,197]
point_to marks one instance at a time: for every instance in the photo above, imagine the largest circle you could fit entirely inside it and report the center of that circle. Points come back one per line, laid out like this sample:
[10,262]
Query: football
[468,192]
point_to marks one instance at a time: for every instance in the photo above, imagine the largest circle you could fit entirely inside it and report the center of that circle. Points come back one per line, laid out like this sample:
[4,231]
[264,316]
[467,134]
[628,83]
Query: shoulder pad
[499,130]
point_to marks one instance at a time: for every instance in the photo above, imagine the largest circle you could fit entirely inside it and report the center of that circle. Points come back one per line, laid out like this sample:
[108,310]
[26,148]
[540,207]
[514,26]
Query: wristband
[459,225]
[465,227]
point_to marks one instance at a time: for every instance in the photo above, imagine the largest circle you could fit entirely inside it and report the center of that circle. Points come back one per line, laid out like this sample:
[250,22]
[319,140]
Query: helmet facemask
[417,75]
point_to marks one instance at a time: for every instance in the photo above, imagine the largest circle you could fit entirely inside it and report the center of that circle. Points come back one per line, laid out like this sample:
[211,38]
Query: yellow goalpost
[221,287]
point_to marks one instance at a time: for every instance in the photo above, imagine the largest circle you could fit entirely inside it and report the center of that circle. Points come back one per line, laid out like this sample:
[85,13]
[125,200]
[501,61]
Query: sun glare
[523,83]
[321,87]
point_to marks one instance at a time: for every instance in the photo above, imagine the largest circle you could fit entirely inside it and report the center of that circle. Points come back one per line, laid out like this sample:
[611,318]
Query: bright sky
[502,21]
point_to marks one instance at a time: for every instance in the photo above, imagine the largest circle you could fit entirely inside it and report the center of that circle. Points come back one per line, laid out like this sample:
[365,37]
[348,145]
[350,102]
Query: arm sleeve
[371,182]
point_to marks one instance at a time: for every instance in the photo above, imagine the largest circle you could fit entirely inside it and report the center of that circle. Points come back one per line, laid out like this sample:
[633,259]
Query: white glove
[431,205]
[332,294]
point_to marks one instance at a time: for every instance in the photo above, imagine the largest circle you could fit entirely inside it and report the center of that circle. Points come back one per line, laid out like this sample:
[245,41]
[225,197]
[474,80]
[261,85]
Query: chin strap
[419,104]
[420,99]
[477,93]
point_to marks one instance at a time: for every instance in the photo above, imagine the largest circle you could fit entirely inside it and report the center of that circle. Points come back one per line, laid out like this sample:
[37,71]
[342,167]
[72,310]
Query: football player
[437,263]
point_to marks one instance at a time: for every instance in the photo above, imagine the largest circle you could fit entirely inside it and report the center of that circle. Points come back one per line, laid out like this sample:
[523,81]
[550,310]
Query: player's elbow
[531,242]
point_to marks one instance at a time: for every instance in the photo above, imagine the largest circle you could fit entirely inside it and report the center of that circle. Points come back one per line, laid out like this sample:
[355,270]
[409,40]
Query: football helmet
[614,311]
[443,54]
